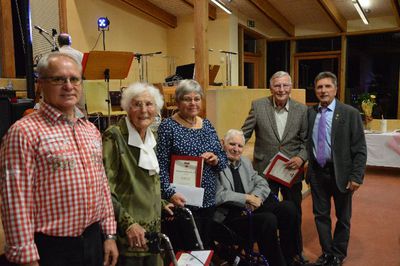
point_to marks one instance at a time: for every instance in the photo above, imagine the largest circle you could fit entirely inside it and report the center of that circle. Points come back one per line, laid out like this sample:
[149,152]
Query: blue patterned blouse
[173,138]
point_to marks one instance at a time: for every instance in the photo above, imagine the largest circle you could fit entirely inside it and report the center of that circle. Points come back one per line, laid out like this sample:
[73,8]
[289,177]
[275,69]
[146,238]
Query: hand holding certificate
[185,176]
[277,170]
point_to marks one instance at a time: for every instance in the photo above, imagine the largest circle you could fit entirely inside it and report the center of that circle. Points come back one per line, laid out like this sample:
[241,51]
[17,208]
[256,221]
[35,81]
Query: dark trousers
[323,188]
[85,250]
[294,195]
[266,222]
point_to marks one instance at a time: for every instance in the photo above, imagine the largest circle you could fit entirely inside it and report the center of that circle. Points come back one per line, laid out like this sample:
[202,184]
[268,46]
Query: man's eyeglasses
[278,86]
[62,80]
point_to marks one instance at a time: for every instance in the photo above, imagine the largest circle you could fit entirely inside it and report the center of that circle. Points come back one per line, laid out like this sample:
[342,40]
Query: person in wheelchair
[239,187]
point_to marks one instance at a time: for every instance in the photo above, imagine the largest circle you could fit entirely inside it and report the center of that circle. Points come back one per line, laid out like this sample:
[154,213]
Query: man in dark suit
[239,186]
[280,125]
[337,160]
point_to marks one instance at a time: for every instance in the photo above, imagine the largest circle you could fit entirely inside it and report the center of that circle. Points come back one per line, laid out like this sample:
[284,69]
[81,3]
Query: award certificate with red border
[278,172]
[186,170]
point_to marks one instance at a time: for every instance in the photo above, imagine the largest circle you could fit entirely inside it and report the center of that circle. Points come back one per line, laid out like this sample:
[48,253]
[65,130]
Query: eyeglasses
[278,86]
[189,99]
[62,80]
[141,105]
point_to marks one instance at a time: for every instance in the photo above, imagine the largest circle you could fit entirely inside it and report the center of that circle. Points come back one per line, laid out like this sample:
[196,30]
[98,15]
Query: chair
[96,102]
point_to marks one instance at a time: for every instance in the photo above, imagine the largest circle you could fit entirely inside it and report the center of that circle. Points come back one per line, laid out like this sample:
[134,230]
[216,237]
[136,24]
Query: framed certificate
[186,170]
[278,172]
[194,258]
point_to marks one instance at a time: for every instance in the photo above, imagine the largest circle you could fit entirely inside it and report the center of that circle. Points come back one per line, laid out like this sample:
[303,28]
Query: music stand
[106,65]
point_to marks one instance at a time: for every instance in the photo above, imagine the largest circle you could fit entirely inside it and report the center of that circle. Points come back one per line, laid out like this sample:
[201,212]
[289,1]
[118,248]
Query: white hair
[135,89]
[279,74]
[232,133]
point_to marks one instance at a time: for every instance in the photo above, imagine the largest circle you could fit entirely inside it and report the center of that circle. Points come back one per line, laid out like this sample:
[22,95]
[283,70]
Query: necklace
[188,121]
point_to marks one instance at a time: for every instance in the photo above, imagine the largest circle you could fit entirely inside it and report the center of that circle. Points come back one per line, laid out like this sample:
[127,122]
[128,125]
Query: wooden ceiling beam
[154,12]
[396,10]
[272,13]
[212,10]
[334,14]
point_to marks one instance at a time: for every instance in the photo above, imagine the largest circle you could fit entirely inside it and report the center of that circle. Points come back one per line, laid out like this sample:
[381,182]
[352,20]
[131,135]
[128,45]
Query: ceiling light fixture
[360,11]
[222,6]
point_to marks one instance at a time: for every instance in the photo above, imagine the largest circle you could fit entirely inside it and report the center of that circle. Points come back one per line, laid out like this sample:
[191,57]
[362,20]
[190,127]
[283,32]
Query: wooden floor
[375,225]
[375,231]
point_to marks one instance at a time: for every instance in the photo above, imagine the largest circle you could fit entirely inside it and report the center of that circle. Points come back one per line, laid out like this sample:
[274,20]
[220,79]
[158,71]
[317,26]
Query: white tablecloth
[379,153]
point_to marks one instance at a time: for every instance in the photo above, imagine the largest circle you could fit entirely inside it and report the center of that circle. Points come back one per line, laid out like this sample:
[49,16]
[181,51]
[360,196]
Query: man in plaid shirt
[55,197]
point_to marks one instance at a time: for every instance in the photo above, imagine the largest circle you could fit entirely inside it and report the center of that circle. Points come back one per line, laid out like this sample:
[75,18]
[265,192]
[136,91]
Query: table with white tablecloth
[379,151]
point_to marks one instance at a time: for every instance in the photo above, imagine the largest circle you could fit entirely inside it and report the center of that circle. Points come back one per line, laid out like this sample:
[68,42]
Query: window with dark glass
[278,57]
[318,45]
[373,66]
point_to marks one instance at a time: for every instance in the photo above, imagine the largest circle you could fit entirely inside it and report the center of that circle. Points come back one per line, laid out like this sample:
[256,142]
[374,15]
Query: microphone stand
[228,66]
[143,65]
[51,42]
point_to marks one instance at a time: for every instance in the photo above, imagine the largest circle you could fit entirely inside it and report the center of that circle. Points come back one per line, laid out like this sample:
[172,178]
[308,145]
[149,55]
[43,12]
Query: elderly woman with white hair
[133,173]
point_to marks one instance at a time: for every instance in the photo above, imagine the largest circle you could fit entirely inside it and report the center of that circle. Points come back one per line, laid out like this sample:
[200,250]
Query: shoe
[335,261]
[323,260]
[300,261]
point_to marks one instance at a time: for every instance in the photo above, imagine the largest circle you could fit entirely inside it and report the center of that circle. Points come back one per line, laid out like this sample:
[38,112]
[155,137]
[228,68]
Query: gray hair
[43,65]
[232,133]
[324,75]
[279,74]
[187,86]
[135,89]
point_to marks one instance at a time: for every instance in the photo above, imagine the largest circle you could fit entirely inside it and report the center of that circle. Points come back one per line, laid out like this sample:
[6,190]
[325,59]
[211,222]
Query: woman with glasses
[186,133]
[133,173]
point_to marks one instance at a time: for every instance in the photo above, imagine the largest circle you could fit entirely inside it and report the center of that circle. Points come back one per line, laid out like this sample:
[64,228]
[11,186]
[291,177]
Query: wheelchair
[234,249]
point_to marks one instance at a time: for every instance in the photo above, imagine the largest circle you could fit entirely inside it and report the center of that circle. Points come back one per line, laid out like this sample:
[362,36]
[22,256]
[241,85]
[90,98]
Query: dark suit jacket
[261,119]
[348,146]
[226,195]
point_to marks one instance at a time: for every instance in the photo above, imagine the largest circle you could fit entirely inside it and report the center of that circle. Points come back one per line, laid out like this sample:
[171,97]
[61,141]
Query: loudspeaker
[5,115]
[18,109]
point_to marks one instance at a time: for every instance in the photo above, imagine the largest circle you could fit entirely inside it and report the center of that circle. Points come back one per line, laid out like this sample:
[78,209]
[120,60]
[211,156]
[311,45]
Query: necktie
[237,182]
[321,159]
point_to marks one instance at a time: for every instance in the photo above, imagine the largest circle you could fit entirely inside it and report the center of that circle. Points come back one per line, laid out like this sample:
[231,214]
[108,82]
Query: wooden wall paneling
[201,46]
[7,59]
[241,54]
[292,65]
[262,71]
[342,70]
[62,11]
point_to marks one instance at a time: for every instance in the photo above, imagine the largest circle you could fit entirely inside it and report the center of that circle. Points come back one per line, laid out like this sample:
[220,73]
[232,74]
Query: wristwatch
[113,237]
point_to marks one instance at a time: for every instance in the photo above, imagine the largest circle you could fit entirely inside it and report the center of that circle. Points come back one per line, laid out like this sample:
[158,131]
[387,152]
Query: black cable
[96,41]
